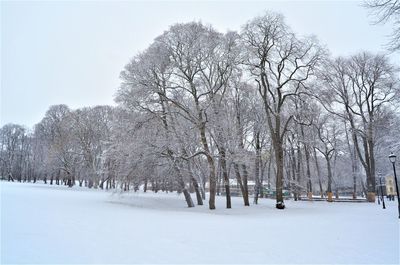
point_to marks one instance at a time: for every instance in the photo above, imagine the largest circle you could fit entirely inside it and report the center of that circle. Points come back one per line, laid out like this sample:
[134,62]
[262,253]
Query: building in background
[390,185]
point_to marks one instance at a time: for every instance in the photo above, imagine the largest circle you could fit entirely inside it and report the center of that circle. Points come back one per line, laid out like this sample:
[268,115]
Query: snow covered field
[53,224]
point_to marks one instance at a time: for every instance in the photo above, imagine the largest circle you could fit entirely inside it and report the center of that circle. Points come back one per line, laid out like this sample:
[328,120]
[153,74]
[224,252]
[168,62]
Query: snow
[55,224]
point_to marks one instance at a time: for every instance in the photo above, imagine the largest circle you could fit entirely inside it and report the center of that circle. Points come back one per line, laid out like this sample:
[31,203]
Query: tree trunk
[197,190]
[194,183]
[240,182]
[69,180]
[309,183]
[329,189]
[364,189]
[279,174]
[371,154]
[299,171]
[321,191]
[182,185]
[211,167]
[367,161]
[188,198]
[225,177]
[219,177]
[292,159]
[353,158]
[269,170]
[263,165]
[245,184]
[257,162]
[354,172]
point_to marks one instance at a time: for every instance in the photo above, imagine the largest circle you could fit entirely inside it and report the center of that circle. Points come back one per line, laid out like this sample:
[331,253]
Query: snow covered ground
[53,224]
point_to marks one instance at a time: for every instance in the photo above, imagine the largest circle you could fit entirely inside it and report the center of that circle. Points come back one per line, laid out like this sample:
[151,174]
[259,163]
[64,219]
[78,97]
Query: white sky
[72,52]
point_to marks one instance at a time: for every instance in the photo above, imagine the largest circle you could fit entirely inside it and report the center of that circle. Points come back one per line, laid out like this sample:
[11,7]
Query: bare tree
[281,64]
[13,142]
[199,72]
[56,129]
[356,89]
[327,145]
[384,11]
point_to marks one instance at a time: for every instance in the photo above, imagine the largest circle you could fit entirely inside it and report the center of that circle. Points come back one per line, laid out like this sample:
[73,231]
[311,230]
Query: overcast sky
[72,52]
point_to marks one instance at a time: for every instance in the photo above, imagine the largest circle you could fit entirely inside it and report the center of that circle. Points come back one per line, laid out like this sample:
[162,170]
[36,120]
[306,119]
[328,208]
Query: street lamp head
[392,158]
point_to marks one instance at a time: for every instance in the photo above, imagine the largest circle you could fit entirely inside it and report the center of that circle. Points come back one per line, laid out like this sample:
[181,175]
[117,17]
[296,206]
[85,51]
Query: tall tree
[356,89]
[199,72]
[281,63]
[327,131]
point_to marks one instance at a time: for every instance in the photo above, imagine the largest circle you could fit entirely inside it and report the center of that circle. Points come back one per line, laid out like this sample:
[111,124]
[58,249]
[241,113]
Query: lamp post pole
[392,158]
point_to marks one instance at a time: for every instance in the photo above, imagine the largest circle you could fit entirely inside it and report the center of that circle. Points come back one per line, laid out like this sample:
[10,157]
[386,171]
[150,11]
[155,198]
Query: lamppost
[392,158]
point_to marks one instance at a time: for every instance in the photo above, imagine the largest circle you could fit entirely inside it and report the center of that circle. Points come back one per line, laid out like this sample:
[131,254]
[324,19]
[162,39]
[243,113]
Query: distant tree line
[198,109]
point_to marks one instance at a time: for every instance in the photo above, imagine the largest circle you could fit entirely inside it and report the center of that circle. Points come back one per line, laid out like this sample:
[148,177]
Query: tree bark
[211,167]
[321,191]
[182,185]
[245,185]
[309,183]
[257,163]
[225,177]
[240,182]
[195,184]
[279,174]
